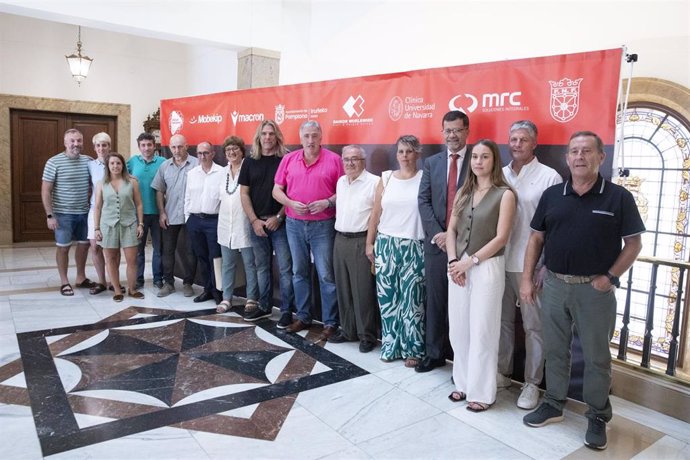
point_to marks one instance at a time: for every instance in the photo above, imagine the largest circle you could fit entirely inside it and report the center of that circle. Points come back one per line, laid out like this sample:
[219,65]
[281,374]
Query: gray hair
[310,124]
[360,149]
[412,141]
[527,125]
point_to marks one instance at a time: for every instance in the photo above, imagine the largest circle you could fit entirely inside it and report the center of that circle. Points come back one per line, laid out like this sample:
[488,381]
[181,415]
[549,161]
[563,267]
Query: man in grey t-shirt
[170,183]
[65,197]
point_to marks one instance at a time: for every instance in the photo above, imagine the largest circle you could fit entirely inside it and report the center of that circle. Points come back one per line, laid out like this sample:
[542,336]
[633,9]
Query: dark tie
[452,185]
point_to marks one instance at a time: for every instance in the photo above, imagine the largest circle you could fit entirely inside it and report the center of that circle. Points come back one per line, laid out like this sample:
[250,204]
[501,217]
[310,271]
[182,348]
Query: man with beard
[65,197]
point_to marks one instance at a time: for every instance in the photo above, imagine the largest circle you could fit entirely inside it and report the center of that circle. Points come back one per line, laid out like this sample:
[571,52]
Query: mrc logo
[468,103]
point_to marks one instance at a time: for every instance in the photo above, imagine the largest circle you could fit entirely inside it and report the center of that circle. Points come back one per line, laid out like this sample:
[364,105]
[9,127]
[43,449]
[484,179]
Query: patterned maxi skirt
[400,289]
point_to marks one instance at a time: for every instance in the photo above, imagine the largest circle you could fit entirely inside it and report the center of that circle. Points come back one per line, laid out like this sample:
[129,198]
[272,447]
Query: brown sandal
[457,396]
[411,362]
[136,294]
[66,290]
[97,289]
[474,406]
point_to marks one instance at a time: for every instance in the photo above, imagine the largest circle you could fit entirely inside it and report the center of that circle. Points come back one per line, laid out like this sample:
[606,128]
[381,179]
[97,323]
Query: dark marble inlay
[170,362]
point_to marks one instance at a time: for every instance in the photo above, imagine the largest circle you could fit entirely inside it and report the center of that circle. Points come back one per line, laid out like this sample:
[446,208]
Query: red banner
[561,94]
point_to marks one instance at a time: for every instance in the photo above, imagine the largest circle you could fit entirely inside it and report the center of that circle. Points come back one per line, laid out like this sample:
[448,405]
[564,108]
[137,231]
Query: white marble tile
[438,437]
[70,374]
[18,436]
[351,453]
[7,327]
[241,412]
[370,362]
[503,421]
[432,387]
[217,392]
[669,425]
[303,436]
[123,395]
[277,365]
[88,343]
[667,448]
[18,380]
[34,315]
[365,407]
[161,443]
[154,325]
[9,348]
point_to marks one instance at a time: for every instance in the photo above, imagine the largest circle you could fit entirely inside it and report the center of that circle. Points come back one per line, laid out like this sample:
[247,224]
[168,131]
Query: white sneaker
[529,397]
[502,381]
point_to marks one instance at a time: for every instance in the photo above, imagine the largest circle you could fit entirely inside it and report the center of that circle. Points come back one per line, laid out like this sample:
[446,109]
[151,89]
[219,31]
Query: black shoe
[158,283]
[138,285]
[428,364]
[285,320]
[217,296]
[257,314]
[338,337]
[366,346]
[203,297]
[596,434]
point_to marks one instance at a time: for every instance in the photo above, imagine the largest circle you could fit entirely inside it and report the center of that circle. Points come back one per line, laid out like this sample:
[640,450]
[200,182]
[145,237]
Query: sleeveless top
[118,207]
[400,209]
[477,226]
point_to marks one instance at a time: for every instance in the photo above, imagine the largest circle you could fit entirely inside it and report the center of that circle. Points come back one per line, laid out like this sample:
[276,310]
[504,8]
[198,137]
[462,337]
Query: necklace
[235,183]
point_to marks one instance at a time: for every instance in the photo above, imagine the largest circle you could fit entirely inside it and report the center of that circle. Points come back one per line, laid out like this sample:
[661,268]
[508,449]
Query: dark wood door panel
[35,137]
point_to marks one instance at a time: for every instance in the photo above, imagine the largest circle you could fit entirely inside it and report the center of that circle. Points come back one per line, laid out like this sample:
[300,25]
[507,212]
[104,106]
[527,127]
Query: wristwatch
[475,260]
[280,219]
[49,216]
[613,279]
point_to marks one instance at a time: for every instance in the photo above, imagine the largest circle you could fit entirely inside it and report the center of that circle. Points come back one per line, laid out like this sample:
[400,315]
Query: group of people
[428,260]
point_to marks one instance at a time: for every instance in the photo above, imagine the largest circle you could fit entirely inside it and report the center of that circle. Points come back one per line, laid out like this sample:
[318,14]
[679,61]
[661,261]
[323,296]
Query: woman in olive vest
[118,219]
[478,231]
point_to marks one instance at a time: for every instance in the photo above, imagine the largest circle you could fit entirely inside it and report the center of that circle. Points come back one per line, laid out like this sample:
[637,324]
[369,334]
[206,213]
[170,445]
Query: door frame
[122,112]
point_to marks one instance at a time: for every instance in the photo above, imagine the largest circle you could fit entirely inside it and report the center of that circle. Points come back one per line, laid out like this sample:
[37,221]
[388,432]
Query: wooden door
[35,137]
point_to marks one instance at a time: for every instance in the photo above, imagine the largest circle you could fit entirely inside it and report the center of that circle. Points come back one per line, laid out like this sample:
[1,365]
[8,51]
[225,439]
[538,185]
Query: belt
[352,235]
[201,215]
[574,279]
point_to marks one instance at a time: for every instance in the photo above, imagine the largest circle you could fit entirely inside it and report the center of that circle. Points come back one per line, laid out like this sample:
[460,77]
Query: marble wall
[8,102]
[257,68]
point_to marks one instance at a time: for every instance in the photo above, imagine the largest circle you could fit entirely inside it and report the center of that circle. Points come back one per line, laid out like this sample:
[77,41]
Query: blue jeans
[263,259]
[150,225]
[228,271]
[317,237]
[202,234]
[71,227]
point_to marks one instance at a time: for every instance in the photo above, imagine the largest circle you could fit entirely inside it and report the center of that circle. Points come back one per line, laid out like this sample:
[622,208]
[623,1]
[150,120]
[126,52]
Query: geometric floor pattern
[146,368]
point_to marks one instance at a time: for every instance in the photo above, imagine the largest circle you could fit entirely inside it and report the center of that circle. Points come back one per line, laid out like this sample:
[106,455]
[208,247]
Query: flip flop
[411,362]
[457,396]
[118,297]
[97,289]
[474,406]
[86,284]
[136,294]
[66,290]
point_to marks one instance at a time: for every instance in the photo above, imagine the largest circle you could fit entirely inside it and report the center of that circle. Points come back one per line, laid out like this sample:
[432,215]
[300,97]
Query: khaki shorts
[119,236]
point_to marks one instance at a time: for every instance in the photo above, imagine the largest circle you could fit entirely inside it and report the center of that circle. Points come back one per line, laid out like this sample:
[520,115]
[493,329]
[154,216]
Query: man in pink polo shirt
[305,184]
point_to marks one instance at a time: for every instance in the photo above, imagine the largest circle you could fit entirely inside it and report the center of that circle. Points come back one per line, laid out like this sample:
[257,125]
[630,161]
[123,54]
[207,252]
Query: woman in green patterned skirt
[394,245]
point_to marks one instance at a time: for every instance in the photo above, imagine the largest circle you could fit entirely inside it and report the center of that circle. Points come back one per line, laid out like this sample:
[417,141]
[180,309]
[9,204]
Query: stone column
[257,68]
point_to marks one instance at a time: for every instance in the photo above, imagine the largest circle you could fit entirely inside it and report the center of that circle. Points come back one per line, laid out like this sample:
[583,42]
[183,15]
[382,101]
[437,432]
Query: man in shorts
[65,197]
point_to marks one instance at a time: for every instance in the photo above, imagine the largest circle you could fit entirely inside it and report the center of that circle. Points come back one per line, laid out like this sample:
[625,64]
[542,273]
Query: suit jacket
[433,194]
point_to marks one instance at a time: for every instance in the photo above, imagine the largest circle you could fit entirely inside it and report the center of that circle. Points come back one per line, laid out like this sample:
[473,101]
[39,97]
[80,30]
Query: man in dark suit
[435,202]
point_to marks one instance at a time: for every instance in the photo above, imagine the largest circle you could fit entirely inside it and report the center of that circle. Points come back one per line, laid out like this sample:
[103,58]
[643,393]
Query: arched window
[656,152]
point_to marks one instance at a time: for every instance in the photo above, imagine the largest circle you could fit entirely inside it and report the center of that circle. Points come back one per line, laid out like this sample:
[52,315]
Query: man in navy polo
[580,225]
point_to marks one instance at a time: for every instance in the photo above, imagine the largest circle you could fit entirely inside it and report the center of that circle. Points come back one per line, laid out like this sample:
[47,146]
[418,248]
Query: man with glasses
[442,177]
[170,184]
[354,281]
[267,218]
[201,205]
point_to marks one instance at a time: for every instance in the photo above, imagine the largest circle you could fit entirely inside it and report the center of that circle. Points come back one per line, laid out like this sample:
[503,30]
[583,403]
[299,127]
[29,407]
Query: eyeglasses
[204,153]
[448,132]
[232,149]
[352,160]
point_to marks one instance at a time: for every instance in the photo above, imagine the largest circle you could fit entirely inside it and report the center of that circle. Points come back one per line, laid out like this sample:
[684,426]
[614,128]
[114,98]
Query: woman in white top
[394,245]
[234,228]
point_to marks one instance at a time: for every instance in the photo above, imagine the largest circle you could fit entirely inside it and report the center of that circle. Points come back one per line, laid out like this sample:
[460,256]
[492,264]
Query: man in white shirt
[354,282]
[529,178]
[201,205]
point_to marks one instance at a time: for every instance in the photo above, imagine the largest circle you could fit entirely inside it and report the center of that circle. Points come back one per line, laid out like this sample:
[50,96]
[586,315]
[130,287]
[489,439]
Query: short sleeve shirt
[70,179]
[583,234]
[145,171]
[308,183]
[259,176]
[172,181]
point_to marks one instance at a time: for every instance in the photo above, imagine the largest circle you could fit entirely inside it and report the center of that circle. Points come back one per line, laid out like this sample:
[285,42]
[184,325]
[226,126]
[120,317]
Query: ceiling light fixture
[79,65]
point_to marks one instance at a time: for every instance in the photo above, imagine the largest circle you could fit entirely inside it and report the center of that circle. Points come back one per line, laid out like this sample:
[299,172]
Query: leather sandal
[97,289]
[136,294]
[474,406]
[223,306]
[457,396]
[118,297]
[66,290]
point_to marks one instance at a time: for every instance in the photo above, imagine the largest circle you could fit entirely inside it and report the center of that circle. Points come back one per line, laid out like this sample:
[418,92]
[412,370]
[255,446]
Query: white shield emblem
[280,114]
[175,122]
[565,99]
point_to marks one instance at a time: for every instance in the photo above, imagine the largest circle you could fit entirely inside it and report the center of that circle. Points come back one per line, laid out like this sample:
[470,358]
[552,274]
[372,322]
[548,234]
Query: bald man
[170,184]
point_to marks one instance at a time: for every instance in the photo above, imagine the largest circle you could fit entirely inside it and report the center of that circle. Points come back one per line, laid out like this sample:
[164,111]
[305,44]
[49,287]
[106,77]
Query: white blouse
[233,224]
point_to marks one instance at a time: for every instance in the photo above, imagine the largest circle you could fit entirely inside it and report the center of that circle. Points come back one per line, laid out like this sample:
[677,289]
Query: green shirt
[145,171]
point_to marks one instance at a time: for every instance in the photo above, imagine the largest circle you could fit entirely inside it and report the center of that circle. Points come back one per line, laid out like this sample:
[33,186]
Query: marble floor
[85,377]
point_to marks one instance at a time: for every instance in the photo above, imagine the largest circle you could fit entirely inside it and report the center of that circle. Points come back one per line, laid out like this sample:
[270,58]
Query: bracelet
[97,229]
[252,222]
[330,203]
[452,261]
[140,224]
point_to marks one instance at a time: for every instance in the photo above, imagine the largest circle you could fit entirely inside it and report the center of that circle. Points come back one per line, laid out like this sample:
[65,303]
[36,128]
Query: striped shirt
[70,179]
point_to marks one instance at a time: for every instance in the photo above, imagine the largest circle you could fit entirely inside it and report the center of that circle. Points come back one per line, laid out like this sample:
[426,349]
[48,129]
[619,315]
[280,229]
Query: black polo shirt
[583,234]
